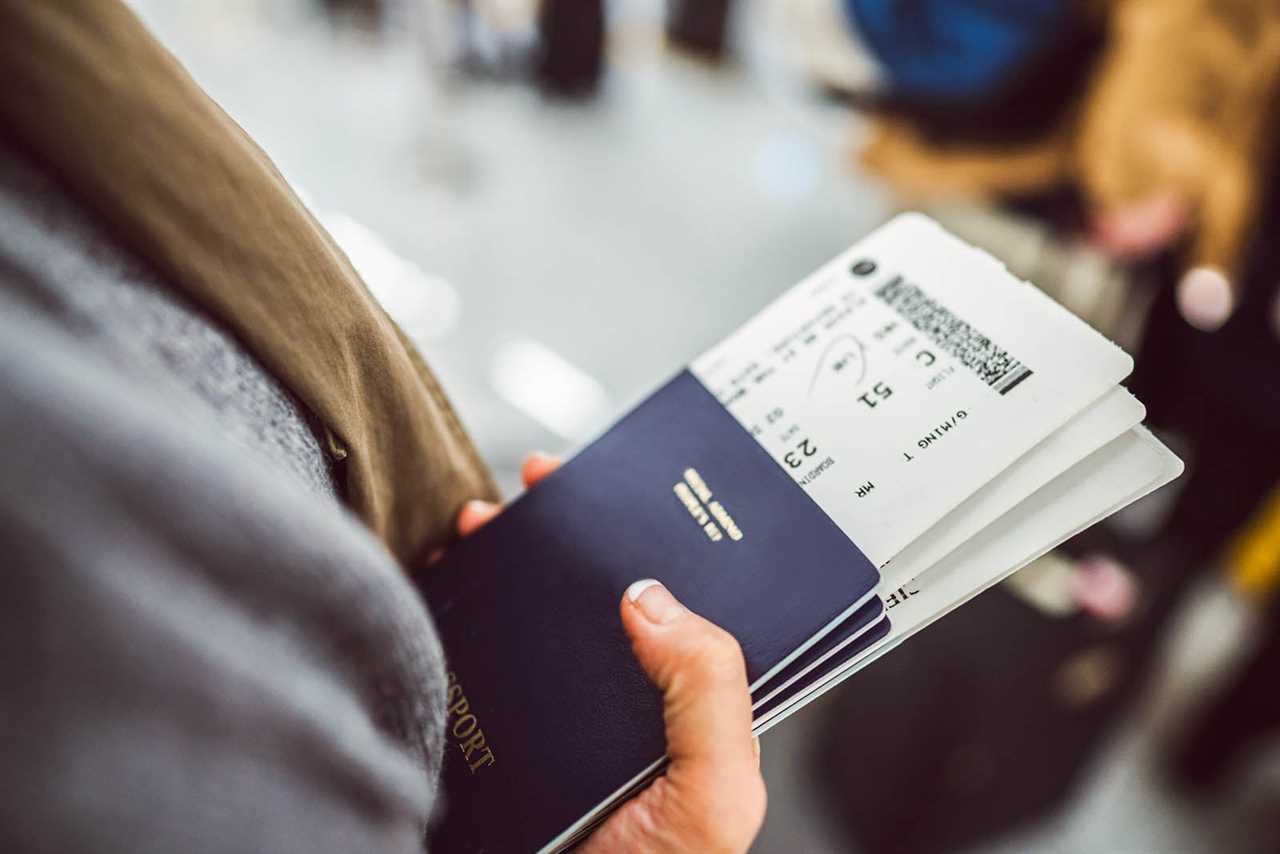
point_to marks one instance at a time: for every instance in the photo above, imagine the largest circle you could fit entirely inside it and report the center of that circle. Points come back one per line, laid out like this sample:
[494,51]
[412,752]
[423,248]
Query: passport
[528,610]
[894,434]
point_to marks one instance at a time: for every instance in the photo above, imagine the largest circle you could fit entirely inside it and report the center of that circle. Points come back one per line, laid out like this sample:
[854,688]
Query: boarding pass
[903,376]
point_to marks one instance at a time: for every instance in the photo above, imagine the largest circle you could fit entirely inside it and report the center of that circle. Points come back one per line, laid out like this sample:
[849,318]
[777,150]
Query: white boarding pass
[904,375]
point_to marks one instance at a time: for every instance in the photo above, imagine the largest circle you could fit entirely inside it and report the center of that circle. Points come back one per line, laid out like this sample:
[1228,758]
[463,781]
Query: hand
[711,797]
[1174,138]
[1169,145]
[1104,588]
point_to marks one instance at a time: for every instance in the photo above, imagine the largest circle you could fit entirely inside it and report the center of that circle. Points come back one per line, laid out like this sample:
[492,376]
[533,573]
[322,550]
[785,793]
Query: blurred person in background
[1158,112]
[1121,154]
[224,457]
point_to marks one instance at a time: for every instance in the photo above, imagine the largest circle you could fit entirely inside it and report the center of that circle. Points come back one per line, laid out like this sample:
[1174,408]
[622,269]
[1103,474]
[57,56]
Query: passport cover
[847,633]
[549,714]
[864,641]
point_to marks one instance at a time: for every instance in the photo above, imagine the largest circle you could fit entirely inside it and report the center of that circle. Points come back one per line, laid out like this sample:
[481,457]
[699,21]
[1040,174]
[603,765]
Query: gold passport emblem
[707,513]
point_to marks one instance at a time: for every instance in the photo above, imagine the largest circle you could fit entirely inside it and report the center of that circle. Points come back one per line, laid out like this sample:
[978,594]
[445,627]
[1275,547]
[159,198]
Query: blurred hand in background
[1174,136]
[1167,143]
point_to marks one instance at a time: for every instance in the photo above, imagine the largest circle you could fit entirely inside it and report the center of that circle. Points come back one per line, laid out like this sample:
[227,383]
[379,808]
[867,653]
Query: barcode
[977,352]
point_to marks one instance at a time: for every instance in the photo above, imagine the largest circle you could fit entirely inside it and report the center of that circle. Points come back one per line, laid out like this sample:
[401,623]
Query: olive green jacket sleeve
[89,92]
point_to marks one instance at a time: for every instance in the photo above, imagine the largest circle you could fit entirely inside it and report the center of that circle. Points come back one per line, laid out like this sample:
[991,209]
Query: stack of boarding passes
[900,431]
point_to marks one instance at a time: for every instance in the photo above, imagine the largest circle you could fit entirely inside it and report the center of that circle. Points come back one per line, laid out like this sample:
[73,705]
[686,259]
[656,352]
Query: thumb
[698,667]
[1209,291]
[711,797]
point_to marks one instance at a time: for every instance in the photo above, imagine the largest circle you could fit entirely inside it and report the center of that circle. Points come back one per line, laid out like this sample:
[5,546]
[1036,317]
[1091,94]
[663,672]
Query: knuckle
[722,648]
[715,656]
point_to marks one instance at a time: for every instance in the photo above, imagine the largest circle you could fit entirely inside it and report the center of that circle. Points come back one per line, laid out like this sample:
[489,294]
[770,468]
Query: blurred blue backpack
[943,50]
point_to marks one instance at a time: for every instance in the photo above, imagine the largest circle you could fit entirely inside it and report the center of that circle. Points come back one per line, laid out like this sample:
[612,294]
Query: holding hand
[711,797]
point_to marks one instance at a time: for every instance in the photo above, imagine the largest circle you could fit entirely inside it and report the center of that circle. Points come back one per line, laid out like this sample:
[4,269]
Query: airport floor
[555,261]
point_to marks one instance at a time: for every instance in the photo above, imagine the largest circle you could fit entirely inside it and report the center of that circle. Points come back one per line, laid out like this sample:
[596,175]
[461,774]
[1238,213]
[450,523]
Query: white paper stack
[952,419]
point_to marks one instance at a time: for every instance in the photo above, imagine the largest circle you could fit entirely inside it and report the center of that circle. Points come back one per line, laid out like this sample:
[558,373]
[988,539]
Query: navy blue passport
[827,653]
[855,646]
[549,715]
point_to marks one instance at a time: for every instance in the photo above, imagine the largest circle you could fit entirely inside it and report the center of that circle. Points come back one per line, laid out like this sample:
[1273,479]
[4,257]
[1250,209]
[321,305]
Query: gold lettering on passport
[465,728]
[726,521]
[685,494]
[713,519]
[697,484]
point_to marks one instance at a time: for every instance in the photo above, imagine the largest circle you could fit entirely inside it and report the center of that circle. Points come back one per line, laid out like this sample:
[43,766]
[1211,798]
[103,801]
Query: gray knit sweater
[200,649]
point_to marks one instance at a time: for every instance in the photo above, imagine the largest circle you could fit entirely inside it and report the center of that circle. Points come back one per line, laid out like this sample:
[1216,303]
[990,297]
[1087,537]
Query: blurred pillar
[699,25]
[367,12]
[571,33]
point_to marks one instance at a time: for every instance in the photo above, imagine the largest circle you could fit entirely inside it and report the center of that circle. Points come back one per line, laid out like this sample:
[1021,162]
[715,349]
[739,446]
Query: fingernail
[1205,298]
[479,506]
[755,748]
[654,601]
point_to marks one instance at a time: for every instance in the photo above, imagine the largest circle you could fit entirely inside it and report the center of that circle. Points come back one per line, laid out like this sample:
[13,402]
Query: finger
[474,514]
[537,466]
[711,797]
[1104,589]
[691,660]
[1209,292]
[477,513]
[1141,229]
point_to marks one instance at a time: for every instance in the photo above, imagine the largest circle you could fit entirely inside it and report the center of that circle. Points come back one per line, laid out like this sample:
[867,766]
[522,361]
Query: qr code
[977,352]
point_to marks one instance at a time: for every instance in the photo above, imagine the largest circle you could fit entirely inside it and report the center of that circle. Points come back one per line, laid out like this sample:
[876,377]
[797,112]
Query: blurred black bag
[571,34]
[983,722]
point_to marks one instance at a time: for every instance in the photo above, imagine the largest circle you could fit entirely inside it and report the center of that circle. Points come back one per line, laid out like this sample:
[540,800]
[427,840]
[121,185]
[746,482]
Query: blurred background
[564,202]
